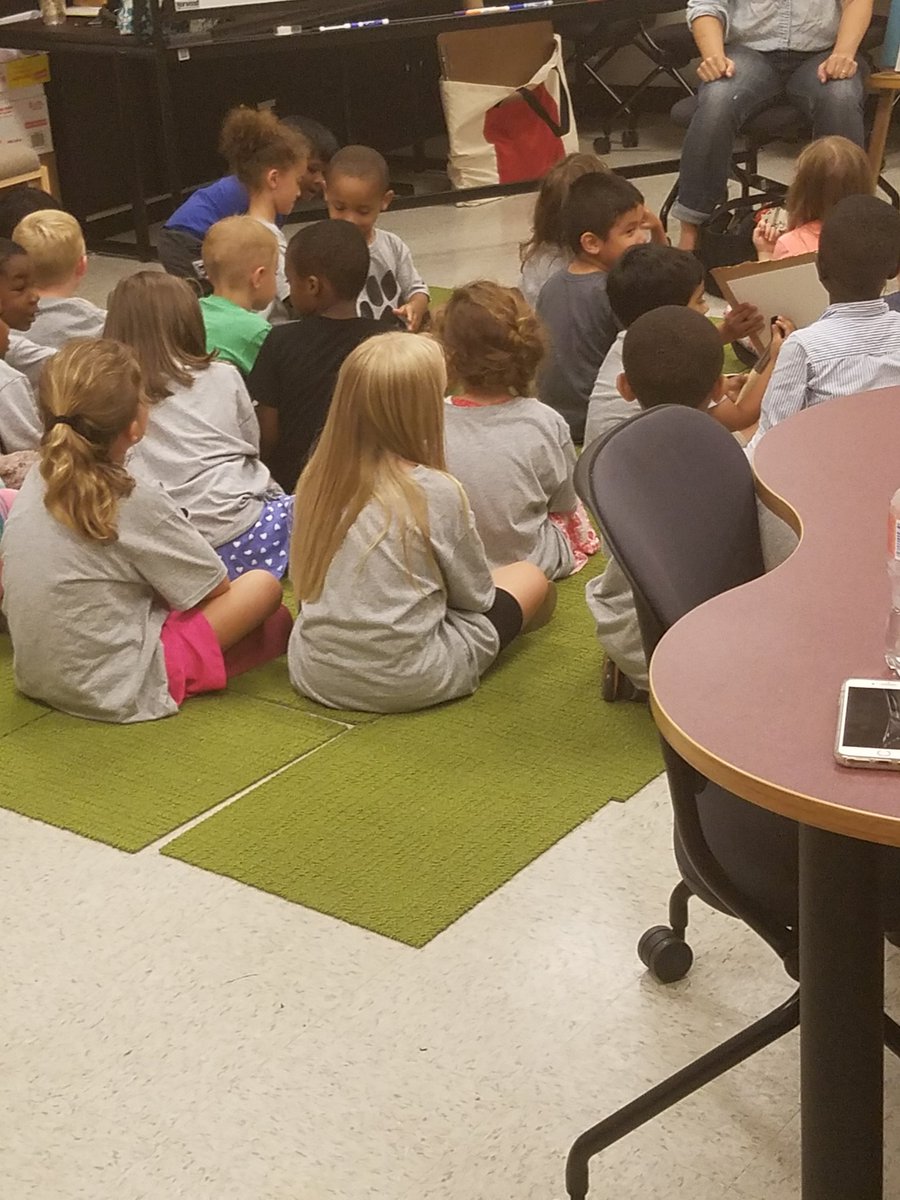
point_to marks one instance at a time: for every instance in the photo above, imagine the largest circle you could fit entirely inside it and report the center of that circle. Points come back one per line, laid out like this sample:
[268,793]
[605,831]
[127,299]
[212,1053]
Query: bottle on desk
[53,12]
[892,640]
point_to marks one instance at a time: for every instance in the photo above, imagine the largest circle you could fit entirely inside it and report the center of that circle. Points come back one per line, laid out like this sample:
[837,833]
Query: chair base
[762,1033]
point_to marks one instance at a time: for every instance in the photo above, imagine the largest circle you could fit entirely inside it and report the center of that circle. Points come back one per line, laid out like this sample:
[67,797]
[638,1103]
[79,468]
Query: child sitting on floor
[648,277]
[180,240]
[17,202]
[671,355]
[512,454]
[295,373]
[54,243]
[202,438]
[240,258]
[828,169]
[855,344]
[20,422]
[399,609]
[117,607]
[604,216]
[547,250]
[357,189]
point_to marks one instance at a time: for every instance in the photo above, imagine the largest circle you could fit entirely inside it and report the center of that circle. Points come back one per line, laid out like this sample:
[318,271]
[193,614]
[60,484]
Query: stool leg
[878,137]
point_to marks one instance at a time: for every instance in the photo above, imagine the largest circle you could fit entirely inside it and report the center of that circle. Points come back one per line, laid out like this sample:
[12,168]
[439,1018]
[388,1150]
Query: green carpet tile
[271,683]
[403,825]
[15,710]
[128,785]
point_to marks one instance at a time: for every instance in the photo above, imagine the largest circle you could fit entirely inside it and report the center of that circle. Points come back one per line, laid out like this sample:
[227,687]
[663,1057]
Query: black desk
[157,57]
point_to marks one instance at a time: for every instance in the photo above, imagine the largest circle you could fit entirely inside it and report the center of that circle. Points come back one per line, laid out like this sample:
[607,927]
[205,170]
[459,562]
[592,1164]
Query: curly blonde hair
[492,338]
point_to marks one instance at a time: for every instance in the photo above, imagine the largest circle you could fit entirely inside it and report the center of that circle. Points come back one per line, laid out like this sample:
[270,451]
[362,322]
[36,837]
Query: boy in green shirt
[240,257]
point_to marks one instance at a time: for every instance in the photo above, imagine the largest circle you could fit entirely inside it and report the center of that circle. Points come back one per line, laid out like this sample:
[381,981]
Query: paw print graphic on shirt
[380,295]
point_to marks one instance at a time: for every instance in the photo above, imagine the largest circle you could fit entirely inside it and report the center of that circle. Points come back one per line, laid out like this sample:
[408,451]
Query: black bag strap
[561,128]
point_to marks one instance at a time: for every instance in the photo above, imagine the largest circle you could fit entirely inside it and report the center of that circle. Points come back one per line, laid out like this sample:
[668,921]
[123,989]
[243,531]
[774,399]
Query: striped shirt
[851,348]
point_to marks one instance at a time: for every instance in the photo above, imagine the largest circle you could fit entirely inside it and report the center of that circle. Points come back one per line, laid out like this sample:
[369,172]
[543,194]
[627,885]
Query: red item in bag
[526,145]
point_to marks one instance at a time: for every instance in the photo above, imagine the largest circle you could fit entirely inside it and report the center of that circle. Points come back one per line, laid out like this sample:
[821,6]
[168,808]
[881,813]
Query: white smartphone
[868,733]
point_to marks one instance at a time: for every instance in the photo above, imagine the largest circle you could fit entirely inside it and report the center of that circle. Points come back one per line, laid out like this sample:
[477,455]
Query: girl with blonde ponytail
[512,454]
[117,607]
[399,609]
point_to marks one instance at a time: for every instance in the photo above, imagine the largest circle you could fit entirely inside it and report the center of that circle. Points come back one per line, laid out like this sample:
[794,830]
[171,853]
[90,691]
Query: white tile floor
[172,1035]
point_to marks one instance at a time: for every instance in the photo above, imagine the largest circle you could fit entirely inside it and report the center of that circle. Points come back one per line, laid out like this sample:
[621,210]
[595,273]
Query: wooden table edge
[797,806]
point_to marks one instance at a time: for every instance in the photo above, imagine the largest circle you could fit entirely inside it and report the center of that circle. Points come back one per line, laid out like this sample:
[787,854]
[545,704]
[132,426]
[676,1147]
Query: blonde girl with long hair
[398,607]
[117,607]
[202,439]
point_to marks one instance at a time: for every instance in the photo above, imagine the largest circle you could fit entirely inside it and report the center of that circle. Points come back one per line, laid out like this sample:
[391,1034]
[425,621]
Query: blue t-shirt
[893,301]
[227,197]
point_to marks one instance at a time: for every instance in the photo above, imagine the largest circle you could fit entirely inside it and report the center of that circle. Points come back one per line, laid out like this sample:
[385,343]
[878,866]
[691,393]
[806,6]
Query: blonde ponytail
[90,394]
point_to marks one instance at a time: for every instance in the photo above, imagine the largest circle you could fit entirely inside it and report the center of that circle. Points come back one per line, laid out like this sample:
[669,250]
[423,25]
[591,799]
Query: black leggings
[506,616]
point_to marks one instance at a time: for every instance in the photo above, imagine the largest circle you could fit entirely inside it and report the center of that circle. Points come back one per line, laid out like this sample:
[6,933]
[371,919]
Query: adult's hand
[837,66]
[715,66]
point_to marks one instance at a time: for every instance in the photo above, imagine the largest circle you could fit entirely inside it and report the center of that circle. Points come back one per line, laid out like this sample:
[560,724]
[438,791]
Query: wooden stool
[886,84]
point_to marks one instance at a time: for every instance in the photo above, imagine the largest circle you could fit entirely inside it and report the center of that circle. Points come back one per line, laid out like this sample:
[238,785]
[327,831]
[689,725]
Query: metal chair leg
[683,1083]
[678,908]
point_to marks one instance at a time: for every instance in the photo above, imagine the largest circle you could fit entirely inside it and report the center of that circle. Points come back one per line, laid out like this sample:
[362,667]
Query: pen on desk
[504,8]
[356,25]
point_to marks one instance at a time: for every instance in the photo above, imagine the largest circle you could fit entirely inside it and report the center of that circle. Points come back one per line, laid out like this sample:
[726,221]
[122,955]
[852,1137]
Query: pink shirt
[802,240]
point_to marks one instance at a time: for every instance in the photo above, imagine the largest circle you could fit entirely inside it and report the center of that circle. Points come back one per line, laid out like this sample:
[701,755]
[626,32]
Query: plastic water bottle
[892,640]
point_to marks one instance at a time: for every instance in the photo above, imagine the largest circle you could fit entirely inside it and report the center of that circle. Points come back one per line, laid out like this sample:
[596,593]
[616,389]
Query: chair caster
[629,139]
[601,144]
[666,956]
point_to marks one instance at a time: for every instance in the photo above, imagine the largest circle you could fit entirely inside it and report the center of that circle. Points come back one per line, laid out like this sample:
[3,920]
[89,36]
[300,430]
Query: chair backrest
[674,495]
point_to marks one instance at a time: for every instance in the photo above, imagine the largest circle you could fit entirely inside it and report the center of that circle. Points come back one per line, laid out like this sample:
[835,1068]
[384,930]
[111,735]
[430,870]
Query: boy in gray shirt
[55,246]
[604,216]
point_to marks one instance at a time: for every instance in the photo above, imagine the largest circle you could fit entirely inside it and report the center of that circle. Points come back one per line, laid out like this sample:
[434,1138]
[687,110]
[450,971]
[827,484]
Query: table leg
[878,137]
[841,1017]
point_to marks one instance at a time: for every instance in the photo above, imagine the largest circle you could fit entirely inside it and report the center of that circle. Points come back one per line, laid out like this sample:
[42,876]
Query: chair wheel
[666,956]
[629,139]
[601,144]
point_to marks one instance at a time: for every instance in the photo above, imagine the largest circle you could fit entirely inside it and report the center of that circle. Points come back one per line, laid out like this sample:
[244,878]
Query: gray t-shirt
[538,268]
[576,311]
[85,617]
[28,357]
[393,277]
[515,461]
[20,423]
[607,407]
[61,318]
[202,445]
[395,629]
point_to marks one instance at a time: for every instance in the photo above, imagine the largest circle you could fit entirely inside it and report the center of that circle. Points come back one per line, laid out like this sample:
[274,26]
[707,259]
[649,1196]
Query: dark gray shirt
[576,311]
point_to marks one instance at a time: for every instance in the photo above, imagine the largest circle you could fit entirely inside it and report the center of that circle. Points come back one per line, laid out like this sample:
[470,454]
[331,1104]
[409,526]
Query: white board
[787,288]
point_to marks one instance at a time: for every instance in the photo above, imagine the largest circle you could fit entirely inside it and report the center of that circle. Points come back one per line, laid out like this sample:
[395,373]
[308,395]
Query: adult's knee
[839,96]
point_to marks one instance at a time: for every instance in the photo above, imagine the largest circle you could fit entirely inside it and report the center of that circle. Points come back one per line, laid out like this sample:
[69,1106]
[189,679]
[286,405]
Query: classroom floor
[172,1034]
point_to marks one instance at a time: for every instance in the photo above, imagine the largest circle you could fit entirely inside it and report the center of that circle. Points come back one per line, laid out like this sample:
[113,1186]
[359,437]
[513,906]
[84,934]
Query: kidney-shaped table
[746,688]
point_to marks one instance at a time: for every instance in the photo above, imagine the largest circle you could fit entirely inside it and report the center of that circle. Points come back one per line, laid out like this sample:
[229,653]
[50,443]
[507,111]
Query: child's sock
[266,642]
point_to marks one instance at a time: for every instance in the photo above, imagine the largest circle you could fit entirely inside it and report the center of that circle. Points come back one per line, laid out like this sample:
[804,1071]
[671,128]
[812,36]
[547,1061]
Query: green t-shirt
[233,331]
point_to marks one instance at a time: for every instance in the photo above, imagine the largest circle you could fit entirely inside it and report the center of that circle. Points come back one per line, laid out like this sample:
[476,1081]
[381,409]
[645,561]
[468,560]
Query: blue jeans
[724,106]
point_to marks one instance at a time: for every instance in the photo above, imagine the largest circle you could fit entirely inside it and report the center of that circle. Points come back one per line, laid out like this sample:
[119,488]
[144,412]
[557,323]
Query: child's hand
[654,227]
[413,312]
[733,387]
[782,327]
[765,235]
[741,321]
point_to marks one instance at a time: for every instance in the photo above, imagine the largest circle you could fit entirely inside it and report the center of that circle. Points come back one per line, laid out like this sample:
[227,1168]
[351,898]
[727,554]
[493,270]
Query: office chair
[673,494]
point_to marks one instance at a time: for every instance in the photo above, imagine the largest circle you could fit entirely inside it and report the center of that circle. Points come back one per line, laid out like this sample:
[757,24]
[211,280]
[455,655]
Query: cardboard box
[23,103]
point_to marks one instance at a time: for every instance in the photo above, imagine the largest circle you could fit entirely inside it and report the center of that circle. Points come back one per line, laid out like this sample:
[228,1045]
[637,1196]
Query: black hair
[651,276]
[21,200]
[672,355]
[322,141]
[361,162]
[333,250]
[594,204]
[859,248]
[10,249]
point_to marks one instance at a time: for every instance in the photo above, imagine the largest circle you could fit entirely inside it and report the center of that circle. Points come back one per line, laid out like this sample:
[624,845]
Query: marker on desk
[504,8]
[376,24]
